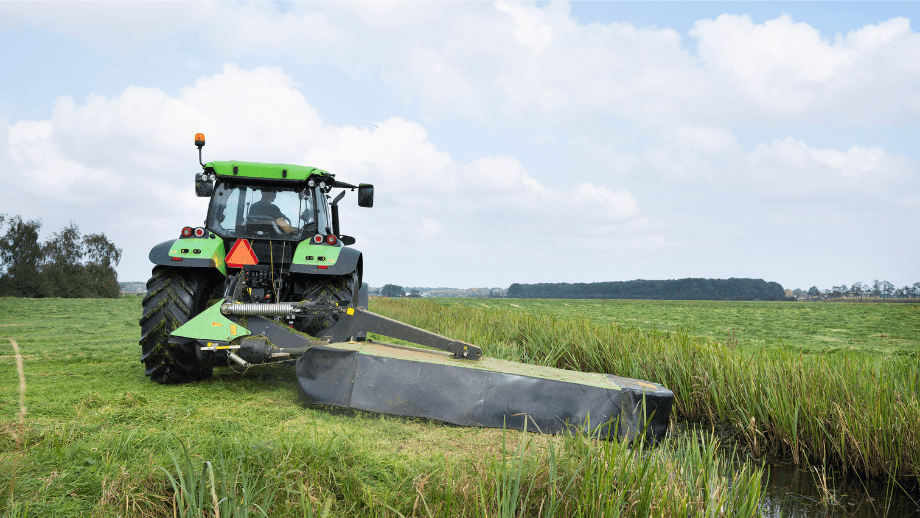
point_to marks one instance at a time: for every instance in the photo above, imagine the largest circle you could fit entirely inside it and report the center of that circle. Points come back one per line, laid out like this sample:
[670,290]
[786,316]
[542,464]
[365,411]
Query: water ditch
[808,492]
[798,492]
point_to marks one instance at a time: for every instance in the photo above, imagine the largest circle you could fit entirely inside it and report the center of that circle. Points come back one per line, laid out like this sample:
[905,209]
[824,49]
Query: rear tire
[330,288]
[174,296]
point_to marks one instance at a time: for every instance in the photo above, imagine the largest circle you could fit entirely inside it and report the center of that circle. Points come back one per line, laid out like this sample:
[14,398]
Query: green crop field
[800,326]
[99,439]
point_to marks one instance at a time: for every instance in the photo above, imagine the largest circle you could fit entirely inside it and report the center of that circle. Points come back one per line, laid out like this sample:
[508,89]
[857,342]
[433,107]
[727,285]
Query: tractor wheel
[174,296]
[330,288]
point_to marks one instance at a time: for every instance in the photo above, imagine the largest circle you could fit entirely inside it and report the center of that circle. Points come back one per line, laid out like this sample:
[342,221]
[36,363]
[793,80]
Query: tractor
[271,236]
[270,278]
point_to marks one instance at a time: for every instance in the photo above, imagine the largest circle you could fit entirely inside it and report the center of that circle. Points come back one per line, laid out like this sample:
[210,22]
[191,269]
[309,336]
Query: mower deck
[495,393]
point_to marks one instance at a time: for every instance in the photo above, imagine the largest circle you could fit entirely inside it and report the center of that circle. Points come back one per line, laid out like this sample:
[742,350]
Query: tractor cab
[271,212]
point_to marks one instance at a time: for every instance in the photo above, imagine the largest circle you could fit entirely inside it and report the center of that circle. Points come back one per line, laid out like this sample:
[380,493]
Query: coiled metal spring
[279,309]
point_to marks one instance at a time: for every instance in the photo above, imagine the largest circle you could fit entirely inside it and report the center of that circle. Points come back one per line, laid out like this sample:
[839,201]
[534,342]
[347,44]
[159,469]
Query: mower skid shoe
[489,393]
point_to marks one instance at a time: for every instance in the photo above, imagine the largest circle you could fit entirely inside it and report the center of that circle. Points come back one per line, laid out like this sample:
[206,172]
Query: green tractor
[270,278]
[271,236]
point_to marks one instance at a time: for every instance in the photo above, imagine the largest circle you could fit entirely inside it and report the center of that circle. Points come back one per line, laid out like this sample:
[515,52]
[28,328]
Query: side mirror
[365,195]
[204,186]
[347,240]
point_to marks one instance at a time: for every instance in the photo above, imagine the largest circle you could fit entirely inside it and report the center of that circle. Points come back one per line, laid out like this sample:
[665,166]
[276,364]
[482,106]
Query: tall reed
[545,476]
[857,412]
[579,476]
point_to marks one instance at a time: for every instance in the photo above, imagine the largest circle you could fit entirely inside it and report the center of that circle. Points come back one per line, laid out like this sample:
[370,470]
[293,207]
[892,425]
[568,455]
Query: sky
[507,142]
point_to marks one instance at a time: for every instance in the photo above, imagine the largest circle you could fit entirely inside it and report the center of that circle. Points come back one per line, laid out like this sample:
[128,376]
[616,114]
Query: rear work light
[318,239]
[330,239]
[187,232]
[199,232]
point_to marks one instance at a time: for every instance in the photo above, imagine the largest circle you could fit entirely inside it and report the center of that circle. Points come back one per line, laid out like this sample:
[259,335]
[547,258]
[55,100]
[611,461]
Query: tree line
[877,290]
[672,289]
[395,290]
[65,265]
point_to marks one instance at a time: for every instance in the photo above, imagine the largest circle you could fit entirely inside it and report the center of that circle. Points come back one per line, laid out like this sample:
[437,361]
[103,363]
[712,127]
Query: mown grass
[811,327]
[858,412]
[99,439]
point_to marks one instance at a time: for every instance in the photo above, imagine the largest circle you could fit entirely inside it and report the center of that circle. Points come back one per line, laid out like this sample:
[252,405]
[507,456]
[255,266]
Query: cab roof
[265,171]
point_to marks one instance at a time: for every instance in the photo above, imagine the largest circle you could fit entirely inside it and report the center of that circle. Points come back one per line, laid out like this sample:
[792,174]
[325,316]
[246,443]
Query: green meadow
[99,439]
[815,327]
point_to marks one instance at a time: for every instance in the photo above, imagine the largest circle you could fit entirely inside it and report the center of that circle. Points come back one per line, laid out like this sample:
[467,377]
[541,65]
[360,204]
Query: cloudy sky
[508,142]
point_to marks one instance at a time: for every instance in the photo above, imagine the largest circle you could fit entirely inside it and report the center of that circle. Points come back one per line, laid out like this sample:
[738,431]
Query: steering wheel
[261,220]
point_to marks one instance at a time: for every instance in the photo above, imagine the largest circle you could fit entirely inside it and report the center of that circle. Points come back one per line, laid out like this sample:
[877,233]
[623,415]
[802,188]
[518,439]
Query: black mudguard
[160,255]
[349,260]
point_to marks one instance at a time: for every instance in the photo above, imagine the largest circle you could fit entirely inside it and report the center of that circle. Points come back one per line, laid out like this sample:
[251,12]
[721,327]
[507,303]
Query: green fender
[337,260]
[191,252]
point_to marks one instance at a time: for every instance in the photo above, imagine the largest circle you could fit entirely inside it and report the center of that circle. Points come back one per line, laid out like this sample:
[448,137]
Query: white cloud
[784,70]
[789,166]
[765,56]
[536,65]
[782,167]
[395,150]
[527,27]
[126,163]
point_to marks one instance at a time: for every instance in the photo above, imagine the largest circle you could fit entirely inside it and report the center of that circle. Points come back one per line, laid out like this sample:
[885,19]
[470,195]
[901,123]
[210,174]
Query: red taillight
[323,267]
[187,232]
[176,258]
[199,232]
[318,239]
[330,239]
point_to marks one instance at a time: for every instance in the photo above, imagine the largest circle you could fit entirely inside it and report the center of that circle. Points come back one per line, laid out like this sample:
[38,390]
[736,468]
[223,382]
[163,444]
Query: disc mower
[271,278]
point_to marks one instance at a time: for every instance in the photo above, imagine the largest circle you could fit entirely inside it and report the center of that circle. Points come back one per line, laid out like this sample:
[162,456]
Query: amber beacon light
[199,141]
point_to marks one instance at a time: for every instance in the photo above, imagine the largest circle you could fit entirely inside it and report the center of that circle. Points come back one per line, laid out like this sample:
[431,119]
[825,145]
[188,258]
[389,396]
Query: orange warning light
[199,139]
[241,254]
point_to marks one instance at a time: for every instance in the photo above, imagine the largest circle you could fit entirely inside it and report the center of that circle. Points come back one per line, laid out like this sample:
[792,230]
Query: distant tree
[392,290]
[21,257]
[887,289]
[876,288]
[857,289]
[103,257]
[63,265]
[813,291]
[915,290]
[56,268]
[414,293]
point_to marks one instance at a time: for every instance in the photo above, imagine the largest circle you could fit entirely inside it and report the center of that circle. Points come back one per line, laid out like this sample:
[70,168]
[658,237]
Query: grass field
[854,410]
[800,326]
[99,439]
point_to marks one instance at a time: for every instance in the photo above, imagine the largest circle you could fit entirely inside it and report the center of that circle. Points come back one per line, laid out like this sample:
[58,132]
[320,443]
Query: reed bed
[529,475]
[856,412]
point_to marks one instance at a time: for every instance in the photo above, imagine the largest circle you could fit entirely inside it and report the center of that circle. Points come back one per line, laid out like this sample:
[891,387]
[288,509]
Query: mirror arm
[335,212]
